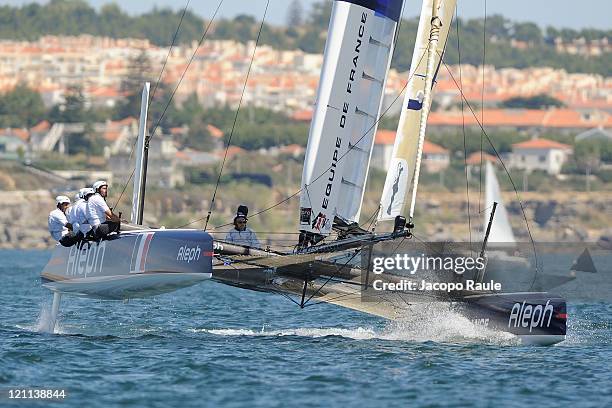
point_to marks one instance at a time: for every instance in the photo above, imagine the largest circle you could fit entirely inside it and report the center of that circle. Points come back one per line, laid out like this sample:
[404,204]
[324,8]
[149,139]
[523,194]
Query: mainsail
[357,57]
[501,231]
[413,118]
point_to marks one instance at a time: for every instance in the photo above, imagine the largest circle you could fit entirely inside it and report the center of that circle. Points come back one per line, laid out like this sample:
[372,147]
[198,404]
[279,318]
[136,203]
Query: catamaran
[358,51]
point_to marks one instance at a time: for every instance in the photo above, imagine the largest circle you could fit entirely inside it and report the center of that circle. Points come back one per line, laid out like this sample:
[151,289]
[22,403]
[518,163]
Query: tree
[72,110]
[21,107]
[295,14]
[139,72]
[541,101]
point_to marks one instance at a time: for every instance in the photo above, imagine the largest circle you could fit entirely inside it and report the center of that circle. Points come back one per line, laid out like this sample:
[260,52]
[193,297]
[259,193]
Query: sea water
[213,345]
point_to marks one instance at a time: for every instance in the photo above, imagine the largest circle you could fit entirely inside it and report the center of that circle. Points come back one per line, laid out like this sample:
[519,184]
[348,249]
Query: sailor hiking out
[99,216]
[241,234]
[59,227]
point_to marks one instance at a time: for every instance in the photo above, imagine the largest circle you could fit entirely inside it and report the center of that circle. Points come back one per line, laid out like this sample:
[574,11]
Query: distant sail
[357,57]
[403,162]
[501,230]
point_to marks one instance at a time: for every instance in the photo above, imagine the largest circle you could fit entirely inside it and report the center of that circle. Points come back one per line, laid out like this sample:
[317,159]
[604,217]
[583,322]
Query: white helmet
[62,199]
[77,196]
[87,191]
[99,184]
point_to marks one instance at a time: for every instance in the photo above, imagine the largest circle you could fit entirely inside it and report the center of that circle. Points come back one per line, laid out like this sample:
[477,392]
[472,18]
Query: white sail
[357,58]
[501,230]
[405,157]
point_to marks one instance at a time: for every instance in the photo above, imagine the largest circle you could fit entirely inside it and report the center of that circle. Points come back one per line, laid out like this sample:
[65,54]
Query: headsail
[357,58]
[423,70]
[501,231]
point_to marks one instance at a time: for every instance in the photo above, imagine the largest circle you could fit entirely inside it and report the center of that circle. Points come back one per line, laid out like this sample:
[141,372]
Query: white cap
[62,199]
[99,184]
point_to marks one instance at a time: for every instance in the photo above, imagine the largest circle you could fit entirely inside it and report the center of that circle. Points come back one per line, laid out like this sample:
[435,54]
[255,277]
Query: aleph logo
[188,254]
[530,316]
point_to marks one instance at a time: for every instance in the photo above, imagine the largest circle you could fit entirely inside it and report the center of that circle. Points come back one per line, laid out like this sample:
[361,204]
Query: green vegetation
[541,101]
[75,17]
[21,107]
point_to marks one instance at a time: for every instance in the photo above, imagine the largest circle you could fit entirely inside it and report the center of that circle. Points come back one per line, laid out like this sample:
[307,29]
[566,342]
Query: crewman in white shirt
[81,211]
[99,215]
[58,223]
[71,211]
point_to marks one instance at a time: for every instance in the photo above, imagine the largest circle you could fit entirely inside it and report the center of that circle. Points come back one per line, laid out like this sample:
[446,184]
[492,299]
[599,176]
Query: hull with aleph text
[131,265]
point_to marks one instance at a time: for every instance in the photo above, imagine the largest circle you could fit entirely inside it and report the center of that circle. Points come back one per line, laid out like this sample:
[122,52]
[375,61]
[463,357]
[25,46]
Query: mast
[142,157]
[403,171]
[434,36]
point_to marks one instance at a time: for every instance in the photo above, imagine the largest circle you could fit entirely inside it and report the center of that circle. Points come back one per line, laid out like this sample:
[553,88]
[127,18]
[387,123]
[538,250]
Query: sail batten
[357,58]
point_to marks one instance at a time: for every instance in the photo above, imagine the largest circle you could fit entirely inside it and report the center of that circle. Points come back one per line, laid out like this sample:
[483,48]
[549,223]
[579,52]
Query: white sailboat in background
[501,230]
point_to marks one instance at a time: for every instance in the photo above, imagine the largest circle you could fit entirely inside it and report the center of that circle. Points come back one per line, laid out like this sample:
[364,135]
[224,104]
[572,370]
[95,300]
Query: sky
[557,13]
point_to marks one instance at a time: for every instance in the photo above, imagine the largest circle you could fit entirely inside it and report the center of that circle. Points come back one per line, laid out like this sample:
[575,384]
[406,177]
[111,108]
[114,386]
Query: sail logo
[530,316]
[189,254]
[319,222]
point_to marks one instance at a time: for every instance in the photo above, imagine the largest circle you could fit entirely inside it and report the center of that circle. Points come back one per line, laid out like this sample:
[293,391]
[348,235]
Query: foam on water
[427,322]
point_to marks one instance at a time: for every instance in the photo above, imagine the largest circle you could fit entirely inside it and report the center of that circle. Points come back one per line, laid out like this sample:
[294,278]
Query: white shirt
[80,215]
[57,224]
[71,214]
[96,209]
[246,237]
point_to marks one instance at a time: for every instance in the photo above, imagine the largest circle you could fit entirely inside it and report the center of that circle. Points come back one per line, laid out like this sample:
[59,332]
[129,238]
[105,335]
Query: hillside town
[540,140]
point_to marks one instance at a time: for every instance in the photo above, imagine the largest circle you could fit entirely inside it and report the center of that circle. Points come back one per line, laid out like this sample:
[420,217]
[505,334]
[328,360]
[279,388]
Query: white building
[540,154]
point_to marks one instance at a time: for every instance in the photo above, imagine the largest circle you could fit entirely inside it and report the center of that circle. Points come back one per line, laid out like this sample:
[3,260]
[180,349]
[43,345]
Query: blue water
[212,345]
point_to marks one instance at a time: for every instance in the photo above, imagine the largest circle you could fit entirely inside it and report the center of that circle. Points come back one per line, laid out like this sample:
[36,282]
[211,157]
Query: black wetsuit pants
[102,230]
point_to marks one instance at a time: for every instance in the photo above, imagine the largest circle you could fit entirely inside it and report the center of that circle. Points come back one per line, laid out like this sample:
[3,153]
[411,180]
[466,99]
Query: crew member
[241,234]
[59,227]
[71,211]
[80,211]
[99,215]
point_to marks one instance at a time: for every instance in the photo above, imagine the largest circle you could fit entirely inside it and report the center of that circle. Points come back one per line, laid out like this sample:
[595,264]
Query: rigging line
[148,138]
[340,158]
[484,59]
[161,73]
[229,140]
[516,192]
[168,54]
[467,183]
[338,270]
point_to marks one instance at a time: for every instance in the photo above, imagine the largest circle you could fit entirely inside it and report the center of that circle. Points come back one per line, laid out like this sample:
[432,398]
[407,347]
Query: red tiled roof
[432,148]
[303,115]
[387,137]
[552,118]
[384,137]
[41,126]
[474,158]
[215,131]
[541,144]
